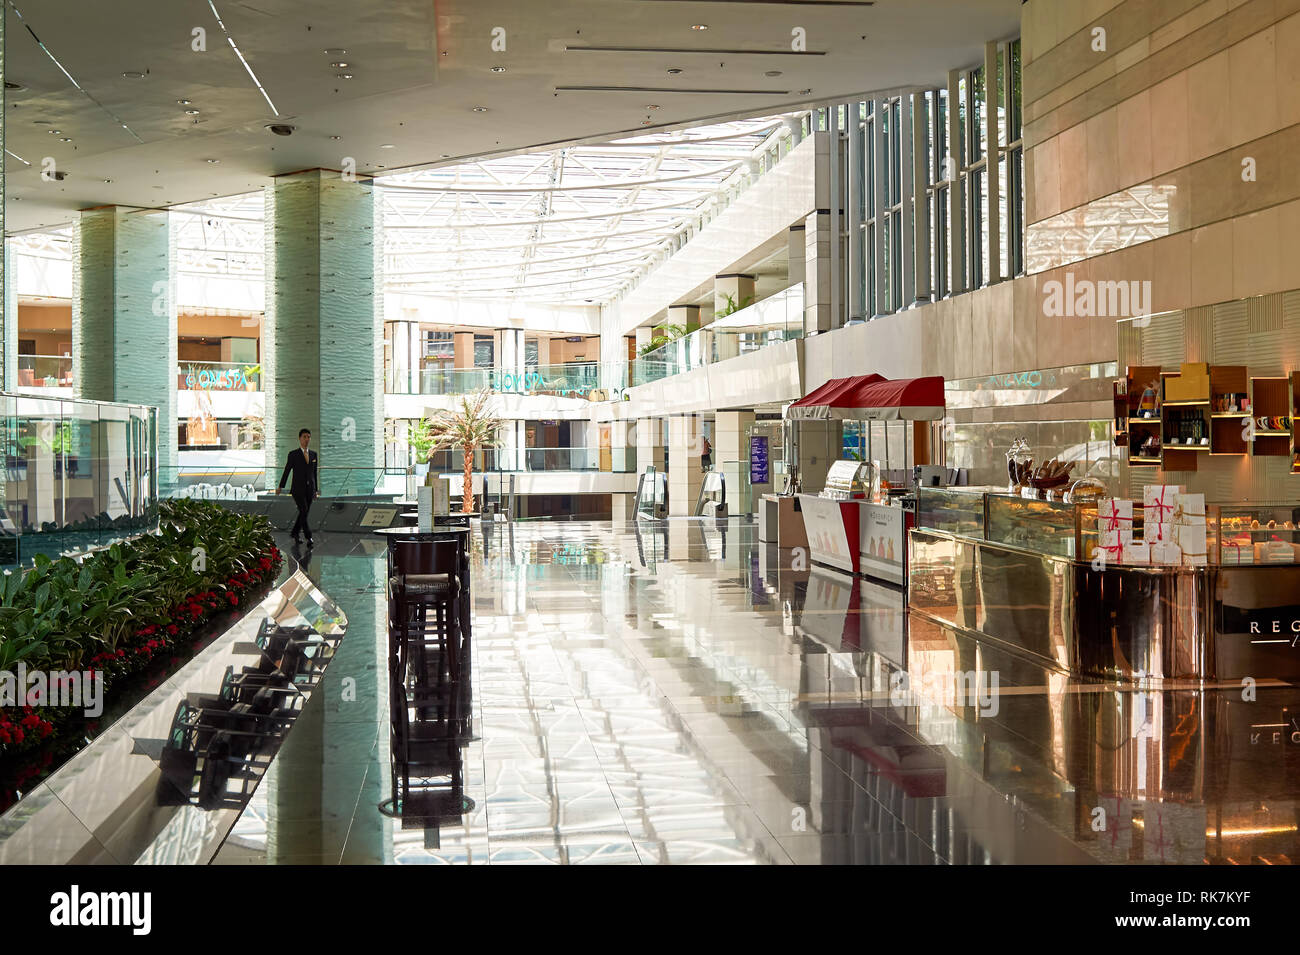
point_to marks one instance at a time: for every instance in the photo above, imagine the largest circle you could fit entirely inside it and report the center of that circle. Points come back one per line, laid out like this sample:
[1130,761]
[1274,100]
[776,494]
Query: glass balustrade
[777,318]
[77,474]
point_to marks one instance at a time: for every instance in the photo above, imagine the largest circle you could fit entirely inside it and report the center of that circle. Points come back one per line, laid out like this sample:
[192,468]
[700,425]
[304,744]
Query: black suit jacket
[303,471]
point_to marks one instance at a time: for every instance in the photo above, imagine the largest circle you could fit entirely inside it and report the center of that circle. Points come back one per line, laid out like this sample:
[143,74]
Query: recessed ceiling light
[498,69]
[191,112]
[336,138]
[212,161]
[480,109]
[182,102]
[645,122]
[652,106]
[54,132]
[805,92]
[340,64]
[65,139]
[108,182]
[133,75]
[772,73]
[344,76]
[699,26]
[385,145]
[446,155]
[674,71]
[336,51]
[13,87]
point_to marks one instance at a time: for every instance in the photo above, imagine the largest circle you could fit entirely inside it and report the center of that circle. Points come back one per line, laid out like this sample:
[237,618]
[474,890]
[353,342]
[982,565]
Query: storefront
[859,523]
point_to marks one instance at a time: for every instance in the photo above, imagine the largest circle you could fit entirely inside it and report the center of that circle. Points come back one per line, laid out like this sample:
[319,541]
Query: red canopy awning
[873,398]
[818,402]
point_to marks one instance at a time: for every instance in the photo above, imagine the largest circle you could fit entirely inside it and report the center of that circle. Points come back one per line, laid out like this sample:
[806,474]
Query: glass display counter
[1026,578]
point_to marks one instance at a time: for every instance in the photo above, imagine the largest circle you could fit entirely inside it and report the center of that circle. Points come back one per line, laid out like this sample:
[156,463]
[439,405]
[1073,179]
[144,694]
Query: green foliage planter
[122,607]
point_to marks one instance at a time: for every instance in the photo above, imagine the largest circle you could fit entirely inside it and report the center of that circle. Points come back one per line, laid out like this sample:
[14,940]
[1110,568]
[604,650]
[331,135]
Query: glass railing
[777,318]
[218,483]
[44,371]
[536,459]
[576,380]
[218,376]
[77,474]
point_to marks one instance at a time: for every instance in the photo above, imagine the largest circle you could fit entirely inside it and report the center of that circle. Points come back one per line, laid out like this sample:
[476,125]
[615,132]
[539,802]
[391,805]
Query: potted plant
[471,426]
[421,442]
[667,334]
[252,376]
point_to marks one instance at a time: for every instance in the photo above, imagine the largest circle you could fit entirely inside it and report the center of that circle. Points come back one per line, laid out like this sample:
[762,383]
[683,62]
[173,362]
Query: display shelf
[1270,398]
[1144,461]
[1295,422]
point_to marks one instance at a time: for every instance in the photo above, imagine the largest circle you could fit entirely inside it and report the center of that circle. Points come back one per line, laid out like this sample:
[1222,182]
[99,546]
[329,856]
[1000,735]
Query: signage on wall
[216,379]
[758,464]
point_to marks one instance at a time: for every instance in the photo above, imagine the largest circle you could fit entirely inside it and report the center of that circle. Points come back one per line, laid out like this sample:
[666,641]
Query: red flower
[234,599]
[173,629]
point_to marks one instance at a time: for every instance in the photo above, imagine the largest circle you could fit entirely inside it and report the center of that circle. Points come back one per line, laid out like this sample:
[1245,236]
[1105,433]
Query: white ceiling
[419,68]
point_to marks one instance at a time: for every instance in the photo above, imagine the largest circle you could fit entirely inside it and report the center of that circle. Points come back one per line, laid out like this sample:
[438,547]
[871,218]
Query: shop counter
[1028,580]
[857,536]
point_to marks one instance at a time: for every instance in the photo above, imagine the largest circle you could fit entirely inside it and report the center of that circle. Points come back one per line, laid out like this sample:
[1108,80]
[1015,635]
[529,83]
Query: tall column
[649,444]
[622,446]
[324,348]
[740,287]
[124,316]
[687,316]
[731,456]
[686,472]
[8,300]
[463,343]
[817,274]
[9,319]
[796,250]
[402,377]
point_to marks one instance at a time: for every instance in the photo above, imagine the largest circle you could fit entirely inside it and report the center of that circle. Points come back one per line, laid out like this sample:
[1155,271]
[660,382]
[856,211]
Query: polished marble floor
[680,693]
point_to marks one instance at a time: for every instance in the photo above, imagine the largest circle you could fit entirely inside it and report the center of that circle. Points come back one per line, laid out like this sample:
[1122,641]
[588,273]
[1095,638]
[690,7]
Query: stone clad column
[686,473]
[324,348]
[124,316]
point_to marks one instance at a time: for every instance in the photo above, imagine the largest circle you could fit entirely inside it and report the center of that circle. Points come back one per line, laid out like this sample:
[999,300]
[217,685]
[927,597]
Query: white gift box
[1155,533]
[1166,553]
[1191,540]
[1189,507]
[1109,540]
[1138,553]
[1114,508]
[1159,501]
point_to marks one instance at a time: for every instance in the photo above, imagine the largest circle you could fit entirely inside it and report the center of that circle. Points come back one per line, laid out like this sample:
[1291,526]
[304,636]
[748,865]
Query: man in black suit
[302,465]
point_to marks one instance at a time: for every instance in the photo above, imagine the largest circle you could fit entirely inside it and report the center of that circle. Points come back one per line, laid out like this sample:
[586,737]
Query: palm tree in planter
[472,426]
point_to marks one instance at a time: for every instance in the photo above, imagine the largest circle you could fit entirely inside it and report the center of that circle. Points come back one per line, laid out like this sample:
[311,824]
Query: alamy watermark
[59,688]
[1084,298]
[978,688]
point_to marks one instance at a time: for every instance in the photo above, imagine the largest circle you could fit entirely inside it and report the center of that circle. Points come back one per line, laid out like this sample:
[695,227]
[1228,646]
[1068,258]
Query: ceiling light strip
[665,89]
[674,50]
[233,46]
[55,60]
[18,157]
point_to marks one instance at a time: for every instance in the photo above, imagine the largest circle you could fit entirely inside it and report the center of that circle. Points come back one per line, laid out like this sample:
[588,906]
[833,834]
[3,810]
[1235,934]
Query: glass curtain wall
[930,151]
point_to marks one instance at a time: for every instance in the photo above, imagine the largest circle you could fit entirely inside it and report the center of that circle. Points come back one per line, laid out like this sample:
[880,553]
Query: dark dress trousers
[302,468]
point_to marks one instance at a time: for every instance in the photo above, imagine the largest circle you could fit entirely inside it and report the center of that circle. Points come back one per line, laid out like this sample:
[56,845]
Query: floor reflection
[678,692]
